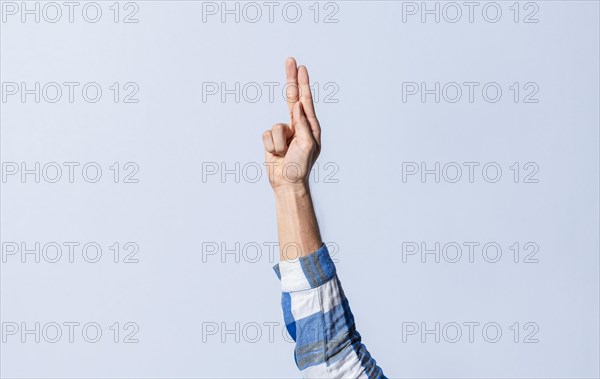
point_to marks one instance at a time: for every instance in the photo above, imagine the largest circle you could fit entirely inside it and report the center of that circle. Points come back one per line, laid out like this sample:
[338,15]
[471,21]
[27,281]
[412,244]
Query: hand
[291,150]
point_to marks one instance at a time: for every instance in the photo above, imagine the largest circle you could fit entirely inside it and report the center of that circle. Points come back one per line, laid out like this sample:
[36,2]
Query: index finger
[291,83]
[307,102]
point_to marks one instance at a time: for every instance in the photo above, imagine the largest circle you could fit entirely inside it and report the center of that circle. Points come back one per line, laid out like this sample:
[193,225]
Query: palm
[291,166]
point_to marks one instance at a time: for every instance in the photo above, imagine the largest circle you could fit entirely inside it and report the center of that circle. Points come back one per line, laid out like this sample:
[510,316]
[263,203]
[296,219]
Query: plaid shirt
[318,317]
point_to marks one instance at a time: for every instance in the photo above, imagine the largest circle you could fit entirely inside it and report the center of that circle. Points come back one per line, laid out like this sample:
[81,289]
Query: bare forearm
[297,225]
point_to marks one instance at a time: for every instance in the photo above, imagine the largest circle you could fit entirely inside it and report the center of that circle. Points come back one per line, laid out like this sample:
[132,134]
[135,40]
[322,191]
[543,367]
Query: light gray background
[368,133]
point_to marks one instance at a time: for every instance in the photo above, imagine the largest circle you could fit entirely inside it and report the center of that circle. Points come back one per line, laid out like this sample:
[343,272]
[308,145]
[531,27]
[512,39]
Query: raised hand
[292,149]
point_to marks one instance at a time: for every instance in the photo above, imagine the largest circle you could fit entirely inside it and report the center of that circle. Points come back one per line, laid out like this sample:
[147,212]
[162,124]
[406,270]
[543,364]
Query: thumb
[300,122]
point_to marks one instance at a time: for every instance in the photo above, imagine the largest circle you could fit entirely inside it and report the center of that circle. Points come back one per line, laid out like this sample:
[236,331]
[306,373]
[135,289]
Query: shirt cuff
[306,272]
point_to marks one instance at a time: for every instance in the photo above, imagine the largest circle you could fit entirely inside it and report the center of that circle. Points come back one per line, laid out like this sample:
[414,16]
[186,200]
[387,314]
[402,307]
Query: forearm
[297,225]
[316,312]
[317,316]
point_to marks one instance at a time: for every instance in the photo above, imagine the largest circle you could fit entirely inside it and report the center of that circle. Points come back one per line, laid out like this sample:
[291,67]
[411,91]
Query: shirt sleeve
[318,318]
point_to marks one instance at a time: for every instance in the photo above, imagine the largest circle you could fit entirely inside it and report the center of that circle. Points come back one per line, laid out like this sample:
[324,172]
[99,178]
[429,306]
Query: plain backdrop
[196,311]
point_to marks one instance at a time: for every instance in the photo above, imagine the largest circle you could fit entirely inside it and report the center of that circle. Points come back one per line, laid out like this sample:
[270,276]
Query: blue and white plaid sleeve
[318,318]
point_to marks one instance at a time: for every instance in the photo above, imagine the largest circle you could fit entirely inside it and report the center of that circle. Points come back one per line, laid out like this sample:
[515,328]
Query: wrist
[291,189]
